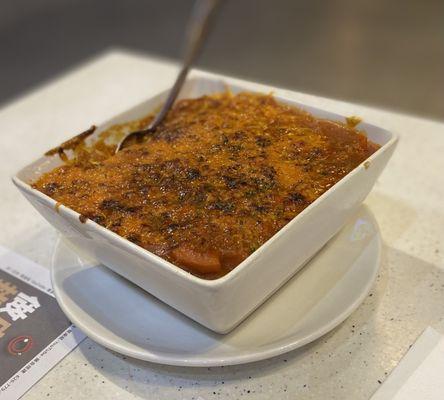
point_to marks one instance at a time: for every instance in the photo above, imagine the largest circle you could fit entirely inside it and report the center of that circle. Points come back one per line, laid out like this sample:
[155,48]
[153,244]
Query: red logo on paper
[20,345]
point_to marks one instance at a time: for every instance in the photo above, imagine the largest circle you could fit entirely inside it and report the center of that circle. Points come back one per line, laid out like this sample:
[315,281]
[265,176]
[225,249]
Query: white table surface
[347,363]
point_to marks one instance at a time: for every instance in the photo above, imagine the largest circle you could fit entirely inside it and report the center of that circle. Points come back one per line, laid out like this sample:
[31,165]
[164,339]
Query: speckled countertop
[348,363]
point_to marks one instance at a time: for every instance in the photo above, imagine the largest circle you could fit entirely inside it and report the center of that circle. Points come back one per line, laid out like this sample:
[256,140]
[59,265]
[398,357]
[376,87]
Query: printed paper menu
[34,333]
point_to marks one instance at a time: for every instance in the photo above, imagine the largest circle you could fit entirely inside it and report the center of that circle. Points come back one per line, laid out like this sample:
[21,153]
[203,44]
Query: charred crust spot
[269,172]
[199,196]
[172,227]
[98,219]
[50,188]
[260,208]
[262,141]
[231,182]
[134,238]
[263,184]
[168,135]
[117,206]
[297,198]
[110,204]
[239,135]
[193,174]
[116,224]
[224,206]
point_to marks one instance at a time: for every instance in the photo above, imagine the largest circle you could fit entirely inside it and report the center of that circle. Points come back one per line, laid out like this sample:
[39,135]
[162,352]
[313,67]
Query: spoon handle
[195,36]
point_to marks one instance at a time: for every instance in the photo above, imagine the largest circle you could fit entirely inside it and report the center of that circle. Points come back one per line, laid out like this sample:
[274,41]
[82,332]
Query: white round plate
[126,319]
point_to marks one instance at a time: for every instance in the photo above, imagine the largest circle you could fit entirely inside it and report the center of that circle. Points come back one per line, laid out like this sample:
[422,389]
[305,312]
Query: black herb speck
[297,198]
[224,206]
[231,182]
[262,141]
[172,227]
[193,174]
[260,208]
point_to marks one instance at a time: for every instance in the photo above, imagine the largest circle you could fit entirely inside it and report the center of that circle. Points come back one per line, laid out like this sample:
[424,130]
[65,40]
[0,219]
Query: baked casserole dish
[233,193]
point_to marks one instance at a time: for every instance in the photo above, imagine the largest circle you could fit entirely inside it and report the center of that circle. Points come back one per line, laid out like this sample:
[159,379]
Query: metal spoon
[196,34]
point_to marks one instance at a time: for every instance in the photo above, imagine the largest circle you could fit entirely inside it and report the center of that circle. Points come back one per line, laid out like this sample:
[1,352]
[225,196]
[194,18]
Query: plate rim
[244,358]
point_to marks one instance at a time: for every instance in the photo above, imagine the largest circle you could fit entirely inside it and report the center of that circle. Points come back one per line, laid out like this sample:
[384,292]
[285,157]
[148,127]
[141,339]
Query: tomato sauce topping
[220,176]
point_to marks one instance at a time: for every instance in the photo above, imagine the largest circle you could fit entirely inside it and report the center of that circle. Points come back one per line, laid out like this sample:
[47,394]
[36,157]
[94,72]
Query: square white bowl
[223,303]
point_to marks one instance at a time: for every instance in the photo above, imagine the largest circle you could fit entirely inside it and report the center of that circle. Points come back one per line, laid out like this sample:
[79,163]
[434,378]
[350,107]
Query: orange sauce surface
[219,177]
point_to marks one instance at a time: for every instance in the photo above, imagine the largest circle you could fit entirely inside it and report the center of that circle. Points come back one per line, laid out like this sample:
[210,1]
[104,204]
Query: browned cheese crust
[219,178]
